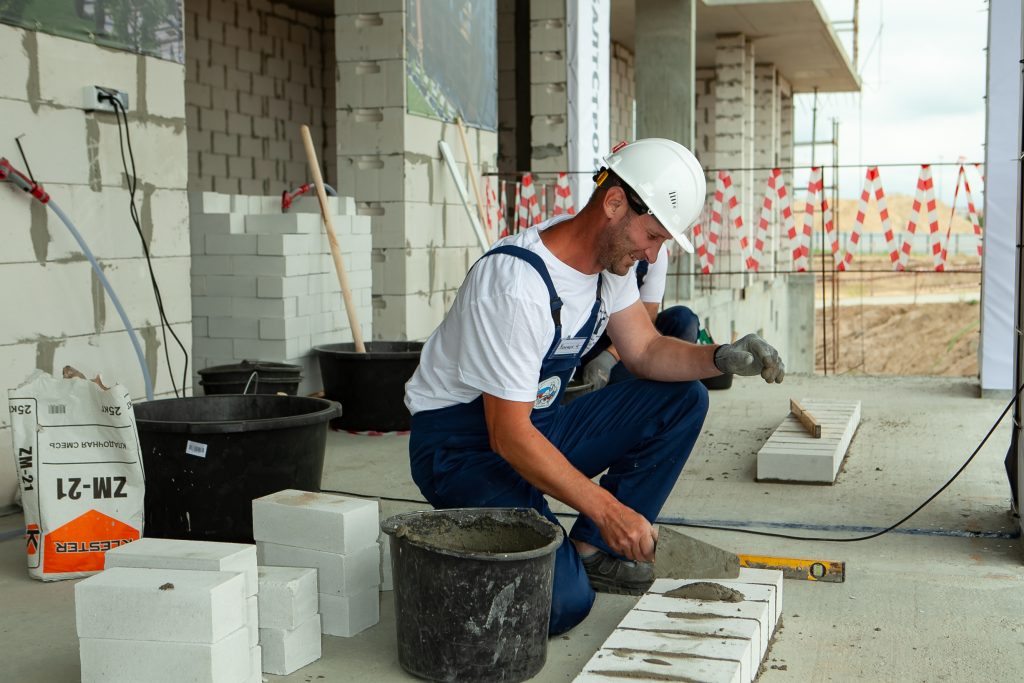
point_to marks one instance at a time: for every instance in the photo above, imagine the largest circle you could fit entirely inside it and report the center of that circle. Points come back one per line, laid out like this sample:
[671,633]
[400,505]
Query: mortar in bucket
[472,590]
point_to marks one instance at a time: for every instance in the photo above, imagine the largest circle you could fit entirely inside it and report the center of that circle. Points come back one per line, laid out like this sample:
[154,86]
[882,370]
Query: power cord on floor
[133,182]
[868,537]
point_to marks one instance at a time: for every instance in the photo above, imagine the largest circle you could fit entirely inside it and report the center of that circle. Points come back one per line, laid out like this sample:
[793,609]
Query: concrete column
[665,44]
[785,125]
[549,106]
[766,136]
[733,136]
[766,117]
[388,159]
[623,94]
[704,120]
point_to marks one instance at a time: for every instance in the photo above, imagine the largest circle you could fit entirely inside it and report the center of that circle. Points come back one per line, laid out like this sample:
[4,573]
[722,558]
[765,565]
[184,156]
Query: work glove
[598,371]
[751,355]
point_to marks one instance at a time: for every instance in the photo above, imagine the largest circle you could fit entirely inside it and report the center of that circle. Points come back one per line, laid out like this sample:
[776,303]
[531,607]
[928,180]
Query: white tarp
[587,37]
[1002,183]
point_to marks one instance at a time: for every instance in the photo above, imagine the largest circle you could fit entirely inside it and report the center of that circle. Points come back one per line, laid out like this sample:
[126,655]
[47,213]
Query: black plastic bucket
[251,377]
[718,382]
[370,386]
[207,457]
[472,590]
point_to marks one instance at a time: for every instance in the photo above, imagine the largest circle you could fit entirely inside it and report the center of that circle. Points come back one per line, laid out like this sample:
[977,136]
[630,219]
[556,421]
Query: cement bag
[77,452]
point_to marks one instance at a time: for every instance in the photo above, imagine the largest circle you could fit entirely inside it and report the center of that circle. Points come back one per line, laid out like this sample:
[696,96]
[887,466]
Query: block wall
[507,112]
[549,100]
[623,93]
[422,239]
[704,117]
[264,285]
[54,310]
[256,71]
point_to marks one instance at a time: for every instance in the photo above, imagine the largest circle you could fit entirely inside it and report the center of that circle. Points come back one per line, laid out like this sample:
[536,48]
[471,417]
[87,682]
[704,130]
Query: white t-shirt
[499,328]
[652,291]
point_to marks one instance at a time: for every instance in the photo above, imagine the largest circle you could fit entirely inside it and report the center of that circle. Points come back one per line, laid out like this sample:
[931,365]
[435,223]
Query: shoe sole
[618,588]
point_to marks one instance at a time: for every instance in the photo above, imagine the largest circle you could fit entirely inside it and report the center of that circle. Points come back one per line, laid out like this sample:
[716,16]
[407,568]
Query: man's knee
[679,322]
[570,604]
[571,595]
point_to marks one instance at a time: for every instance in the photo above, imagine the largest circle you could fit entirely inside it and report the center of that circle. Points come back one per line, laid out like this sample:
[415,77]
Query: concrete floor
[942,599]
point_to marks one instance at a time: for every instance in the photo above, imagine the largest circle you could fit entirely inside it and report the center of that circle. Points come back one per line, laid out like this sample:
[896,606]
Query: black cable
[133,181]
[693,525]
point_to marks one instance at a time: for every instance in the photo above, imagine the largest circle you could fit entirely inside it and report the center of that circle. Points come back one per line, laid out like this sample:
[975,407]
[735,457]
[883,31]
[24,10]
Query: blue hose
[20,182]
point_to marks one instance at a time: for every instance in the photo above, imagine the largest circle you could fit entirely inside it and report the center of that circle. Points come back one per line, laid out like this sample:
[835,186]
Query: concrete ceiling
[795,35]
[324,8]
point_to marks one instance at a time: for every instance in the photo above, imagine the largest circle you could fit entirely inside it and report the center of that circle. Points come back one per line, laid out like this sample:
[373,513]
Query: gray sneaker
[622,577]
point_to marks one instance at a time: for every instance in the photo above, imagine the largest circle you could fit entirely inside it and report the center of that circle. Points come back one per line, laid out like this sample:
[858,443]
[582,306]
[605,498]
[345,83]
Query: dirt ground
[904,337]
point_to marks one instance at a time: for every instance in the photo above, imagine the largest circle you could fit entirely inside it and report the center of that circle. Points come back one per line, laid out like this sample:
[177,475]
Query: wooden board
[791,454]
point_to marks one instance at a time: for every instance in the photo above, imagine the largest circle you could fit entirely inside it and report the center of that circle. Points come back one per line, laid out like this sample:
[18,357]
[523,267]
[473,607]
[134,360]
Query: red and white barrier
[801,241]
[529,209]
[563,196]
[502,221]
[705,240]
[872,183]
[925,196]
[774,190]
[518,206]
[725,192]
[972,212]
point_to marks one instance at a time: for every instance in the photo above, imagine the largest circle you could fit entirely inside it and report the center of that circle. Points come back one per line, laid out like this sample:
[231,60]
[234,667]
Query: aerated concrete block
[178,605]
[346,616]
[336,574]
[252,621]
[167,553]
[255,665]
[229,660]
[288,596]
[287,651]
[318,521]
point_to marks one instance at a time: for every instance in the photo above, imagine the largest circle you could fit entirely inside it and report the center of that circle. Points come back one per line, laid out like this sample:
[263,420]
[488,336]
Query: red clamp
[34,188]
[288,197]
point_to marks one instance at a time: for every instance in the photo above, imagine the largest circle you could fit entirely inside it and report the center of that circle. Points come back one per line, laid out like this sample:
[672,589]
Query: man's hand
[751,355]
[628,533]
[598,371]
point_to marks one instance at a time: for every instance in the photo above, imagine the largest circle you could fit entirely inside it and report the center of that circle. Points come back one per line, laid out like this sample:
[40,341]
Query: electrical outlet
[97,98]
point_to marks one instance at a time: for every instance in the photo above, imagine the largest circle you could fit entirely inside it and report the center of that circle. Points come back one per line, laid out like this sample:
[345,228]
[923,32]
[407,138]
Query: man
[487,427]
[601,364]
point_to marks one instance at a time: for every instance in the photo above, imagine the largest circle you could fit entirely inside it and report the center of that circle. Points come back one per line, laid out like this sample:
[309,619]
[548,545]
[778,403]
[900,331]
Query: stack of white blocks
[336,535]
[264,285]
[289,619]
[171,610]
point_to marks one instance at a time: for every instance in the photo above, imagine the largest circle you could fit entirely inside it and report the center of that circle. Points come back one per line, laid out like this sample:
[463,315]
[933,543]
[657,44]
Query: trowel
[678,556]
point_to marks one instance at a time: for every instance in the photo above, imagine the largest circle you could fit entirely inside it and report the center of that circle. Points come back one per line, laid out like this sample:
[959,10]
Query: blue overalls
[675,321]
[640,431]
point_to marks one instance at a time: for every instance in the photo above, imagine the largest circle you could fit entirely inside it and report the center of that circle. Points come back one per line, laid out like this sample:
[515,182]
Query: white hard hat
[667,177]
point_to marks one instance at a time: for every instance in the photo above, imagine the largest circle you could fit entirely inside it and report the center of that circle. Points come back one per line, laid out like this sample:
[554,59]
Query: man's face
[631,239]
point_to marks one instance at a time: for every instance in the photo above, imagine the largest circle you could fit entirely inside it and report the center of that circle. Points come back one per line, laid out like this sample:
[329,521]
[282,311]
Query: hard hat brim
[682,240]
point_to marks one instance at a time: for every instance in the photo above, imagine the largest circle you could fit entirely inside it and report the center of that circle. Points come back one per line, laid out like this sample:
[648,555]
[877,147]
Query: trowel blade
[678,556]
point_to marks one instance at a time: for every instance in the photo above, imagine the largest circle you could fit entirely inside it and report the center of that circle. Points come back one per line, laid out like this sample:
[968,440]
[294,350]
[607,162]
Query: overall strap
[537,262]
[641,272]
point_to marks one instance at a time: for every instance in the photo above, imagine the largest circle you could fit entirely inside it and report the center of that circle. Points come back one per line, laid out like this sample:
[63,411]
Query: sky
[922,66]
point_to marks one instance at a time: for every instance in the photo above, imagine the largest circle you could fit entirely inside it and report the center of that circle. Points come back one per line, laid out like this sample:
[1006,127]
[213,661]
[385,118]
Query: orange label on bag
[80,545]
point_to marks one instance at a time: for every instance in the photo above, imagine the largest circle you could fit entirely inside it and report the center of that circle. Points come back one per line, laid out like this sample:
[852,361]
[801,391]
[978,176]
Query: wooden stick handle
[339,264]
[806,419]
[472,176]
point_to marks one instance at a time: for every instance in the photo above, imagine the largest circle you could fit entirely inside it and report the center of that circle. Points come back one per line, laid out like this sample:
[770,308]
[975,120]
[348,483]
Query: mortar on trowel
[678,556]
